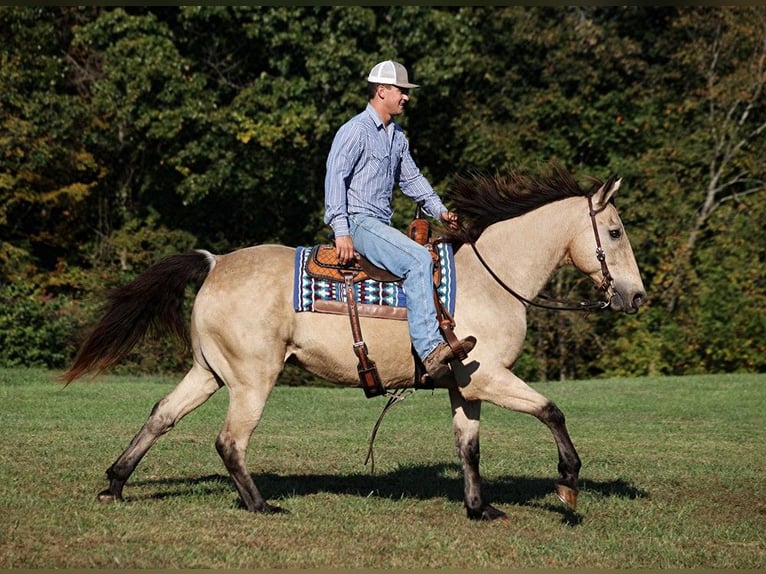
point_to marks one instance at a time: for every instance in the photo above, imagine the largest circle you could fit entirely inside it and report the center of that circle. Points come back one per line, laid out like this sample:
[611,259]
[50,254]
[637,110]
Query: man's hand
[449,218]
[344,248]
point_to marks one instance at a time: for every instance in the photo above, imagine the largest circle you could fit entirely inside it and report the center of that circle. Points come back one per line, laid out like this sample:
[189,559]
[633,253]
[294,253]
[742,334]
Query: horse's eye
[615,233]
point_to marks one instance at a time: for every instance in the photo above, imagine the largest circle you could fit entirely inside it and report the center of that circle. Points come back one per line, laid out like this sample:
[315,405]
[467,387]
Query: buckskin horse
[516,231]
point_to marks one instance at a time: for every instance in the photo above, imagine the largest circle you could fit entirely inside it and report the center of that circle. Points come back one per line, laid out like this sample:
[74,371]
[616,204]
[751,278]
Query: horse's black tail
[154,299]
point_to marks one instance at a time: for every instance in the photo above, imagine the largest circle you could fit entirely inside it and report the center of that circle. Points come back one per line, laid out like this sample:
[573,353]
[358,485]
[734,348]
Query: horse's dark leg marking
[233,459]
[569,462]
[246,403]
[466,416]
[469,452]
[123,467]
[196,387]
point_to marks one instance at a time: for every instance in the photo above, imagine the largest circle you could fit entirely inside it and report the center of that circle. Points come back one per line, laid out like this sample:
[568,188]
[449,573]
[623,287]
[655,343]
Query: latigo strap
[368,371]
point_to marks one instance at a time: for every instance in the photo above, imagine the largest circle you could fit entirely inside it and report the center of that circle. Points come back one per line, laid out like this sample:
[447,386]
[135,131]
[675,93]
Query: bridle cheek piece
[607,282]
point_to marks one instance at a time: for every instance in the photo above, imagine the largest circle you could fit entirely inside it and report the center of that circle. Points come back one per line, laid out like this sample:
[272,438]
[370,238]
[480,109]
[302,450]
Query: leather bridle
[607,280]
[557,304]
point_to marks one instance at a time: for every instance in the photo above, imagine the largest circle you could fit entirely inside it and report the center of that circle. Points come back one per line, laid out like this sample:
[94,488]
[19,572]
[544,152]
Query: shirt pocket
[380,163]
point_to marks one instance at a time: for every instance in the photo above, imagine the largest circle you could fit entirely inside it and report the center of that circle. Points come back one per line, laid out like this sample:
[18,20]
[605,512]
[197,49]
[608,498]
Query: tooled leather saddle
[323,264]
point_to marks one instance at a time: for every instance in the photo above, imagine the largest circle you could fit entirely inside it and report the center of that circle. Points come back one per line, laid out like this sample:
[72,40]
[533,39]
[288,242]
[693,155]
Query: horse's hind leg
[195,388]
[465,419]
[247,399]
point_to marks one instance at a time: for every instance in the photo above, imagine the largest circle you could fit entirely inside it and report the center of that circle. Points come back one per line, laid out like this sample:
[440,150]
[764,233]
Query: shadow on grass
[421,482]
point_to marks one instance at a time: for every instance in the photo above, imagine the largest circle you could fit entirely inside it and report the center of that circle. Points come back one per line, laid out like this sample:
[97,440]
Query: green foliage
[731,325]
[47,173]
[128,132]
[34,328]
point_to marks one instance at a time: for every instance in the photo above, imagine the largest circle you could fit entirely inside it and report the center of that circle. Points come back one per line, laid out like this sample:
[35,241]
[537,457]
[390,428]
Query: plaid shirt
[365,162]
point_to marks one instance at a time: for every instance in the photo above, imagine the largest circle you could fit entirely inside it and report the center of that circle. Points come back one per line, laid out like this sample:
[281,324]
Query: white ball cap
[392,73]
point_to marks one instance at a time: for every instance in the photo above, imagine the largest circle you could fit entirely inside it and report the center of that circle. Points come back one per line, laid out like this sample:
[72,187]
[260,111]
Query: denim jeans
[389,248]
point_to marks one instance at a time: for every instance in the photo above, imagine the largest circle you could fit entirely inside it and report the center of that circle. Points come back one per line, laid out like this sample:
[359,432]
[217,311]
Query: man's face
[395,98]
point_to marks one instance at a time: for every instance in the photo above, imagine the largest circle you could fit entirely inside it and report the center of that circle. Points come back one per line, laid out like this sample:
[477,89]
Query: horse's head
[596,244]
[602,251]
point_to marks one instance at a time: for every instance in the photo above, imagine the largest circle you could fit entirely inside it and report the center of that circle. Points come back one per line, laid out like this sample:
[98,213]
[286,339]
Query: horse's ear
[604,193]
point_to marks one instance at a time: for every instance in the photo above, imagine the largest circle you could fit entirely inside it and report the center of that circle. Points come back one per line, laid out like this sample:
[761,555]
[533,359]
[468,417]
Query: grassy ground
[673,477]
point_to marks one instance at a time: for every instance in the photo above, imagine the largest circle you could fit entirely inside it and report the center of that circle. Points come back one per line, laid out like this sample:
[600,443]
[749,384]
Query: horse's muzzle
[628,305]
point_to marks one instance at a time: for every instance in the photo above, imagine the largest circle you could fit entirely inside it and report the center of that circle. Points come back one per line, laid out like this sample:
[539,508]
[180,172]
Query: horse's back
[243,268]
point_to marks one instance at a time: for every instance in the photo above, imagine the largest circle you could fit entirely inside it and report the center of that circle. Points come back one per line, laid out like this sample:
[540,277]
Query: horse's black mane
[481,200]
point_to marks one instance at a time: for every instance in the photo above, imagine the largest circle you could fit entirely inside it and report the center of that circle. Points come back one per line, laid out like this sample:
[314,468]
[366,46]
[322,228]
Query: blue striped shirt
[364,164]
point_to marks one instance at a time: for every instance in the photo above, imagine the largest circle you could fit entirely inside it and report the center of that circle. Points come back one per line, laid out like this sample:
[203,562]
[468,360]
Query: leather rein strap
[556,304]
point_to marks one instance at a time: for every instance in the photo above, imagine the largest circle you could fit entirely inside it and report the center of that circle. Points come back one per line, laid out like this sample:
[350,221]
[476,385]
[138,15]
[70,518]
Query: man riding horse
[369,156]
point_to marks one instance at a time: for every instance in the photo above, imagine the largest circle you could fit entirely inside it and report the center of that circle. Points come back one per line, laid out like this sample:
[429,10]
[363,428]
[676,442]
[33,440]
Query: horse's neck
[525,251]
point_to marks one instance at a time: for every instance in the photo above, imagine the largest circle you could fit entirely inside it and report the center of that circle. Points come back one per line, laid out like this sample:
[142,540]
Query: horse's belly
[324,345]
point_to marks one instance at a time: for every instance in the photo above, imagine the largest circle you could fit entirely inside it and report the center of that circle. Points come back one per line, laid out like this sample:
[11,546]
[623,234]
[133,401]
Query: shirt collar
[375,117]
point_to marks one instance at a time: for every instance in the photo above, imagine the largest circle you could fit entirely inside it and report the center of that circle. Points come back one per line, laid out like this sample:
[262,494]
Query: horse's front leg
[569,461]
[466,419]
[501,387]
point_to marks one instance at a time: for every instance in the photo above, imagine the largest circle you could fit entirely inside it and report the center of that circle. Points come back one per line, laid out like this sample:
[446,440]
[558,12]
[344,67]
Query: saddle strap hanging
[420,232]
[447,326]
[368,371]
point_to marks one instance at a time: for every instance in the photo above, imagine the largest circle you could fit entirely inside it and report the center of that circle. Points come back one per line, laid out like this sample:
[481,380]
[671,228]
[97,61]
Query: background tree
[130,133]
[47,171]
[702,179]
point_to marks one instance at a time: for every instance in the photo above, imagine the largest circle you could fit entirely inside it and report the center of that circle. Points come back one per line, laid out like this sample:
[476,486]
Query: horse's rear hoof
[567,495]
[108,496]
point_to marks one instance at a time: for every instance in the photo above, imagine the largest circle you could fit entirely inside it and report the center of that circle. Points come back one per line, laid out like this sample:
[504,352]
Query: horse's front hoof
[487,513]
[109,496]
[567,495]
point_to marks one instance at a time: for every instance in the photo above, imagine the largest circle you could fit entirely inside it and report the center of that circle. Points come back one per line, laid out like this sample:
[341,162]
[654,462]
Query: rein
[557,304]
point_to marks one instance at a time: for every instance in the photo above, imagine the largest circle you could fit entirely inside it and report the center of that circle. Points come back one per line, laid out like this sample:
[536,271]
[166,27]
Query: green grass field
[673,477]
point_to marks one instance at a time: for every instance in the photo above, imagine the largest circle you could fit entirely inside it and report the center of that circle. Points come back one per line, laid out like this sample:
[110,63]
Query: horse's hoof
[567,495]
[487,513]
[108,496]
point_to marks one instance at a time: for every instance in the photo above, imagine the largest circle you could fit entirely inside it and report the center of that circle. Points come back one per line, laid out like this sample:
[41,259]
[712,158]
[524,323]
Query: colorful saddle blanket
[310,293]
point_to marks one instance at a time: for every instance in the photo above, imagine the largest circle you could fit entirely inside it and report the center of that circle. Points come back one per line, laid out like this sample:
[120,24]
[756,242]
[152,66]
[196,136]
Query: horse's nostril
[639,299]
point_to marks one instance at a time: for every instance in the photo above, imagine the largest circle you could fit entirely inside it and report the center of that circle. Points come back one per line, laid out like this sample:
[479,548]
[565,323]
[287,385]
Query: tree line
[131,133]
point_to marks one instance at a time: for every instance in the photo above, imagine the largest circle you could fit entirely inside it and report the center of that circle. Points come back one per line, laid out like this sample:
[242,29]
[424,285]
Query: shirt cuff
[340,226]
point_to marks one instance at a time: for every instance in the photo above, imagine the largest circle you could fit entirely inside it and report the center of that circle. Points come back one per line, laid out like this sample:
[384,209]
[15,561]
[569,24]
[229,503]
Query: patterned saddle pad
[372,297]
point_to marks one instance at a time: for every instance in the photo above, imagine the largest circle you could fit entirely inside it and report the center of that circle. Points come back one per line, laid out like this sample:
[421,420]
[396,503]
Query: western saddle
[323,264]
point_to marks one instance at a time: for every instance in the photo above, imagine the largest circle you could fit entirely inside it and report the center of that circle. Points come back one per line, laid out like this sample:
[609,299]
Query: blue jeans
[389,248]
